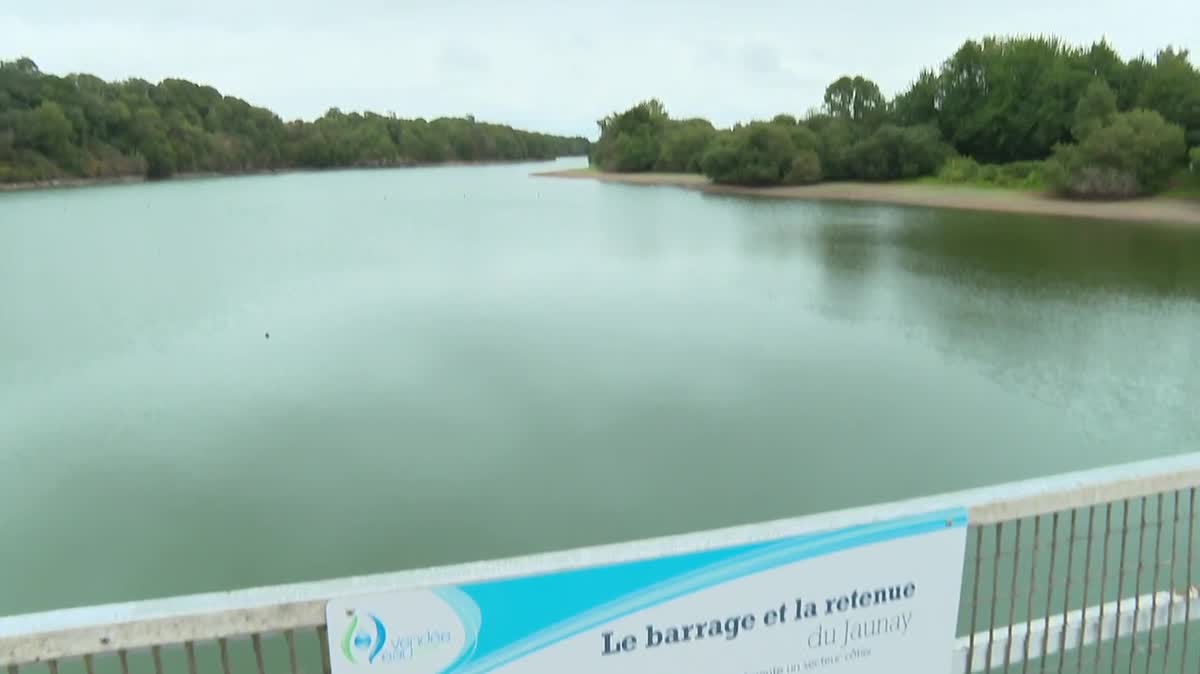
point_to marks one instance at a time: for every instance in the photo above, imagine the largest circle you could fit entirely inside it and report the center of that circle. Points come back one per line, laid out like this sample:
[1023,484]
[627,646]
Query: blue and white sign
[874,598]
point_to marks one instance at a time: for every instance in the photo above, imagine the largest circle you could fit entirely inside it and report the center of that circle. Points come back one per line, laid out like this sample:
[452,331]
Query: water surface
[468,363]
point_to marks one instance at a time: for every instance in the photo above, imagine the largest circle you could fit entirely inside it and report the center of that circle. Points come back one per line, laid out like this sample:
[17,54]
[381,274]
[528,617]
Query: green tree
[1094,110]
[855,98]
[50,131]
[1010,99]
[1172,88]
[918,105]
[81,125]
[631,140]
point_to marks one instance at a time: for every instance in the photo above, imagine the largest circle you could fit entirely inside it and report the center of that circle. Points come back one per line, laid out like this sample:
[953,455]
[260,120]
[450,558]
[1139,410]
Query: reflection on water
[469,363]
[1094,319]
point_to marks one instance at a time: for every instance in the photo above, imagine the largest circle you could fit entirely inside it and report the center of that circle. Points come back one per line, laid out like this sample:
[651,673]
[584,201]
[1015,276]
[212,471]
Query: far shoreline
[69,183]
[1156,210]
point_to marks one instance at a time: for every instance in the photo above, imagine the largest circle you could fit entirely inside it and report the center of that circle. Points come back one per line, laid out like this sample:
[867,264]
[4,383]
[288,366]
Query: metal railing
[1094,571]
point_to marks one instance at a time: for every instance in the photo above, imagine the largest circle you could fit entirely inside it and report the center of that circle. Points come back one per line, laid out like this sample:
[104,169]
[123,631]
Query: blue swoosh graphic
[380,638]
[768,556]
[470,617]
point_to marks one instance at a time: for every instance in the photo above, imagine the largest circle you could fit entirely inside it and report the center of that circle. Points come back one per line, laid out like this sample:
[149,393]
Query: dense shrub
[1104,182]
[756,154]
[806,168]
[1195,159]
[959,170]
[898,152]
[683,145]
[631,140]
[1136,153]
[835,139]
[635,151]
[1017,174]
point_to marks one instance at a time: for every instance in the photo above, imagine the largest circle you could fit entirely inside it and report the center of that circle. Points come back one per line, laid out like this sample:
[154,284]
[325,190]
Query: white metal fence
[1086,572]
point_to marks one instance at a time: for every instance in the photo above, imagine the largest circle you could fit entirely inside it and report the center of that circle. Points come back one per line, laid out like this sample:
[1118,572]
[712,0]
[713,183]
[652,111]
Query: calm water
[468,363]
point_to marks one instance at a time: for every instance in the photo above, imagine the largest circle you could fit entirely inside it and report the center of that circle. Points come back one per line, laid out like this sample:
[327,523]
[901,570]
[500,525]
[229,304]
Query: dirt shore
[1156,210]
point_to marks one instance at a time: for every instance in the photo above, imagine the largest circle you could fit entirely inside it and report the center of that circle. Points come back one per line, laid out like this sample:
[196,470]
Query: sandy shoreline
[137,179]
[1153,210]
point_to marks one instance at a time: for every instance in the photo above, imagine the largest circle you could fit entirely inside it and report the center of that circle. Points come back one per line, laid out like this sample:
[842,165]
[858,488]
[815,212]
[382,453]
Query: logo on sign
[367,641]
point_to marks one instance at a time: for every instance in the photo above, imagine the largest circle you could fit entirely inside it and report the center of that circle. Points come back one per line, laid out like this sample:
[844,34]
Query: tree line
[1080,119]
[82,126]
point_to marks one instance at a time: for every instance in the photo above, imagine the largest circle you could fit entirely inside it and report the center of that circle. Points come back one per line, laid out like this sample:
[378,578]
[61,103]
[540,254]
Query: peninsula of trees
[1021,112]
[80,126]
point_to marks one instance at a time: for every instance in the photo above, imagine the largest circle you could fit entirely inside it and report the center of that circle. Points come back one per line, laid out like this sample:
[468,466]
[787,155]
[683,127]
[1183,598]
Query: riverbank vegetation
[80,126]
[1028,113]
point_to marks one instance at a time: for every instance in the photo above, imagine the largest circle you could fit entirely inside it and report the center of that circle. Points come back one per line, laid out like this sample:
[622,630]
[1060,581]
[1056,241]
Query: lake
[215,384]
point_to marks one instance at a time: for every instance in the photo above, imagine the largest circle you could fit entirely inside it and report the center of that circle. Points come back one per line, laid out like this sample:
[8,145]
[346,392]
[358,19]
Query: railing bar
[1187,608]
[1049,589]
[156,653]
[1103,582]
[1012,598]
[190,649]
[1087,568]
[1033,555]
[1062,638]
[256,643]
[995,590]
[290,635]
[1171,574]
[1154,587]
[1120,581]
[223,646]
[123,656]
[89,666]
[1137,584]
[323,637]
[975,595]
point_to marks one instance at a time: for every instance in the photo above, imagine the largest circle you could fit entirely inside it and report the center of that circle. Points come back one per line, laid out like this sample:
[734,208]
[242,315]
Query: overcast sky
[545,64]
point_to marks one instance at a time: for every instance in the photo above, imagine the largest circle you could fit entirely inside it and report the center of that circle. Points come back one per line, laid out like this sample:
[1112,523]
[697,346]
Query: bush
[1136,153]
[636,151]
[806,169]
[804,139]
[631,140]
[1018,174]
[757,154]
[1102,182]
[835,138]
[683,146]
[1195,159]
[28,166]
[1027,174]
[898,152]
[959,170]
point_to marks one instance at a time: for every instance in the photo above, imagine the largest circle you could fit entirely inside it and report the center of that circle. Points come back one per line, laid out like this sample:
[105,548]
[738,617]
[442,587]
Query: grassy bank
[1186,185]
[927,192]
